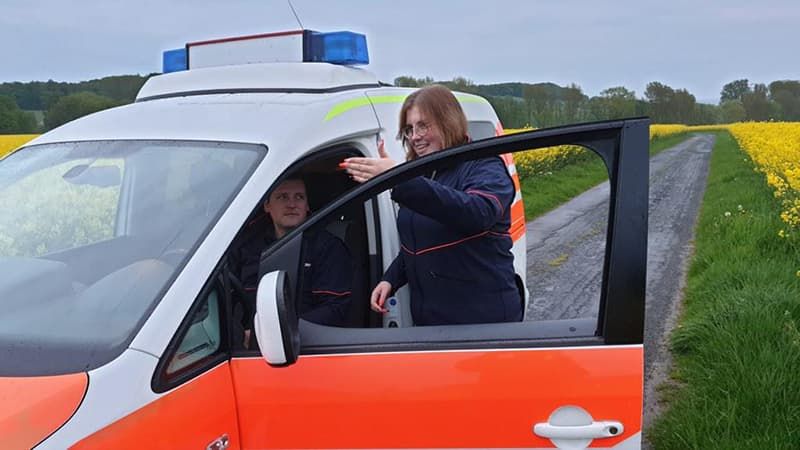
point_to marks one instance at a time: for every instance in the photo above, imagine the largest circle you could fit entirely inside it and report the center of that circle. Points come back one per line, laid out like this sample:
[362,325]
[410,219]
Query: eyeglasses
[421,128]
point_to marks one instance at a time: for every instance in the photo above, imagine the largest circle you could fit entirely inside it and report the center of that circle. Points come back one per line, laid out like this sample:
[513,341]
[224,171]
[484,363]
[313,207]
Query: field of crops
[544,161]
[9,142]
[774,148]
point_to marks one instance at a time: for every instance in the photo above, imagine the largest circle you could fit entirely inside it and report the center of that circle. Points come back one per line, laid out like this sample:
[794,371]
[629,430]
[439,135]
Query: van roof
[308,78]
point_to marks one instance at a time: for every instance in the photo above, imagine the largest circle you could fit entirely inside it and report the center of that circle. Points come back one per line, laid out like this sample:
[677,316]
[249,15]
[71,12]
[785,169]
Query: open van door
[570,383]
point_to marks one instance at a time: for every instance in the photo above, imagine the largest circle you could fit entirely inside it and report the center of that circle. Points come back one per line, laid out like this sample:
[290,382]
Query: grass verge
[543,193]
[736,374]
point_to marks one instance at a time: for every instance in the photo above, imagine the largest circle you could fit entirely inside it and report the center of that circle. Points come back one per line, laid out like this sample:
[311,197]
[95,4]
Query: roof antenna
[295,14]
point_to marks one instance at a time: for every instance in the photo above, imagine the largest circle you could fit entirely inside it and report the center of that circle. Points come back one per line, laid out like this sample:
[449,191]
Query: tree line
[57,103]
[40,106]
[546,104]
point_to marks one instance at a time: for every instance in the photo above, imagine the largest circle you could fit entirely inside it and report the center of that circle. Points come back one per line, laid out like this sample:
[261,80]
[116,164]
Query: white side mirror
[276,321]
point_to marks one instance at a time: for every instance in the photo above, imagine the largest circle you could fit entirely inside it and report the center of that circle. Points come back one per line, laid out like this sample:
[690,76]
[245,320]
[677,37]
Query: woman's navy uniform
[455,247]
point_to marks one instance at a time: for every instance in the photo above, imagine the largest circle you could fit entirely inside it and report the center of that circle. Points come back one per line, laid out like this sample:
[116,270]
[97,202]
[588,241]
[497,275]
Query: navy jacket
[455,247]
[326,276]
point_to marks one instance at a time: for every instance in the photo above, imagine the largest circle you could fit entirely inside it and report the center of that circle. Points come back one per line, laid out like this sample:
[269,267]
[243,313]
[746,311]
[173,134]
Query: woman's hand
[362,169]
[379,295]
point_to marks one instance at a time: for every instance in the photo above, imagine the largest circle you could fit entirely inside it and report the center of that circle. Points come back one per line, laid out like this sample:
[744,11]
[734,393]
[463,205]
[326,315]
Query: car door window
[202,338]
[201,341]
[324,182]
[584,321]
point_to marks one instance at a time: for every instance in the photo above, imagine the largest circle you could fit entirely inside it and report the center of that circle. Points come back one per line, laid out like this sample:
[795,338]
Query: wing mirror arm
[276,321]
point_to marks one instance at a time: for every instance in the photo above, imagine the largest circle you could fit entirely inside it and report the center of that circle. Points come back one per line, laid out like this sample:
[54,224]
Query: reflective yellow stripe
[364,101]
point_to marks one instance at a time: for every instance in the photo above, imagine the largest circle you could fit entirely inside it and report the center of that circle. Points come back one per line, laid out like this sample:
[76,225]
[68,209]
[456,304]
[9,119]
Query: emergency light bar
[338,47]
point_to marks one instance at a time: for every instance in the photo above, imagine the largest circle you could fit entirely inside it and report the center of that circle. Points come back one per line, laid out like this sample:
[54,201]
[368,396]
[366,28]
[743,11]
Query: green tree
[619,102]
[543,104]
[574,100]
[409,81]
[734,90]
[510,110]
[705,114]
[660,97]
[683,106]
[40,95]
[13,120]
[73,106]
[732,111]
[786,94]
[756,103]
[462,84]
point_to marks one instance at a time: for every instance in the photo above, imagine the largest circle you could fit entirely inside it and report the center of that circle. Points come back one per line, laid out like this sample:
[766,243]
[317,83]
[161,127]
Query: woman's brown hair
[439,104]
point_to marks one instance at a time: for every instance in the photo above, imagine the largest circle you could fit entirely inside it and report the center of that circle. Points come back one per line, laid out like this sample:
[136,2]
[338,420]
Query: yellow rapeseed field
[540,162]
[775,148]
[9,142]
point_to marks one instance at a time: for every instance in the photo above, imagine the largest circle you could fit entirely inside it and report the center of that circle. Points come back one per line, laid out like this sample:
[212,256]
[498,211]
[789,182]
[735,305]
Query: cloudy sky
[696,45]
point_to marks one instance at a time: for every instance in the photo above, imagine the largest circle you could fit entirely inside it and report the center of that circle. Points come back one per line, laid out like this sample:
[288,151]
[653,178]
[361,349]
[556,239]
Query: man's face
[287,205]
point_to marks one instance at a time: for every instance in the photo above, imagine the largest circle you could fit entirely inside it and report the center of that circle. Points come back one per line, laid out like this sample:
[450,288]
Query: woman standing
[453,225]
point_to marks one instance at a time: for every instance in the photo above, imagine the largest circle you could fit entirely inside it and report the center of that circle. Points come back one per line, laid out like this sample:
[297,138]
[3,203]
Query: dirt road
[566,248]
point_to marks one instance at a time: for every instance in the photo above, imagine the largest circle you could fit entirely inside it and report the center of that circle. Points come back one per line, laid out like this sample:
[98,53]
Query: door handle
[220,443]
[594,430]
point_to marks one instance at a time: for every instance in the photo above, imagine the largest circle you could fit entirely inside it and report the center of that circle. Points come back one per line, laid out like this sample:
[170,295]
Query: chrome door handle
[595,430]
[220,443]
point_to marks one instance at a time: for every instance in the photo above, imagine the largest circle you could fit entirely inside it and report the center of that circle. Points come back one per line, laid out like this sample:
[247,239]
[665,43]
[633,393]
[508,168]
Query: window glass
[553,231]
[91,233]
[202,339]
[63,206]
[566,194]
[297,197]
[480,130]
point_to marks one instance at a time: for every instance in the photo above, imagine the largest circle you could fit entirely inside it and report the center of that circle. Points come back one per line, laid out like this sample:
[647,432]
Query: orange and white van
[121,322]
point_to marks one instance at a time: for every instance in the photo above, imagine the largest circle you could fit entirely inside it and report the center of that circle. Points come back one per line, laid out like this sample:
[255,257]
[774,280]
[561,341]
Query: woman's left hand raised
[362,169]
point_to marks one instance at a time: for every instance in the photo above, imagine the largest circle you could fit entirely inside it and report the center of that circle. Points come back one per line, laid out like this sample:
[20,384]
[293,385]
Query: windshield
[92,234]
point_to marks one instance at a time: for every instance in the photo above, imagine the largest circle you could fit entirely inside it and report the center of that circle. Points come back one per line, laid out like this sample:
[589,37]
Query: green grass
[736,376]
[544,193]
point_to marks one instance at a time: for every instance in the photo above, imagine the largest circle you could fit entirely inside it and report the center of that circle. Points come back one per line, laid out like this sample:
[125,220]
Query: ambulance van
[122,315]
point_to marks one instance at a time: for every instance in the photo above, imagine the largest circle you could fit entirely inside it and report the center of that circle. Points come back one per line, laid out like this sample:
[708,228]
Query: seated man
[326,271]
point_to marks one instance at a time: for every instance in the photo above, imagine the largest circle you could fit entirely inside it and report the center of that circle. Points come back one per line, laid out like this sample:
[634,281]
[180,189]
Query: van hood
[32,408]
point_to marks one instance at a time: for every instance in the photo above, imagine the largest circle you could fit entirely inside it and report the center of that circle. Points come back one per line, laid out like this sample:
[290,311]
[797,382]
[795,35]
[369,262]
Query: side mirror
[276,321]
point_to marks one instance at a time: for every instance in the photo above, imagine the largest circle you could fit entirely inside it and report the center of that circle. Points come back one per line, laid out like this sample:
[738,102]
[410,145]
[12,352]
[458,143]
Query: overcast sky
[694,45]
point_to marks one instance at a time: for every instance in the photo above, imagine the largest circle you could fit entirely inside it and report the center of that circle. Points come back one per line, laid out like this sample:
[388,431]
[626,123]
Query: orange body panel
[190,416]
[517,228]
[32,408]
[433,399]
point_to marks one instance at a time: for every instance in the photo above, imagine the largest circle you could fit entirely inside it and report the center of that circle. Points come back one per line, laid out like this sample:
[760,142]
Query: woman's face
[423,134]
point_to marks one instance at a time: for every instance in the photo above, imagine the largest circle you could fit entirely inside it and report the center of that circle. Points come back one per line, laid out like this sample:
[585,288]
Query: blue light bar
[338,47]
[174,60]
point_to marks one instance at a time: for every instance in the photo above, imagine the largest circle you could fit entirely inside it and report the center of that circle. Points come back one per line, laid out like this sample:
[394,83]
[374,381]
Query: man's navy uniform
[455,247]
[326,276]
